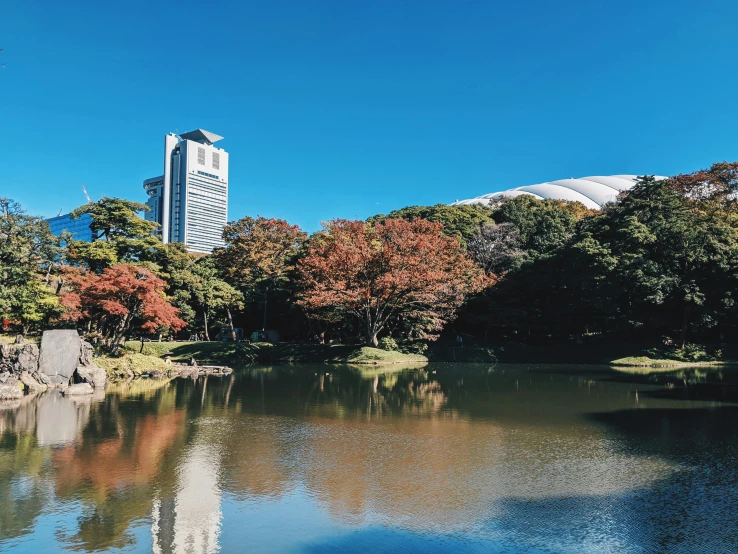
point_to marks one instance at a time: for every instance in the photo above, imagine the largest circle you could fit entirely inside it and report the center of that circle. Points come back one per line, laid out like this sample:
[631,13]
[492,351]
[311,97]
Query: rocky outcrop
[16,358]
[31,383]
[95,376]
[64,358]
[78,389]
[86,351]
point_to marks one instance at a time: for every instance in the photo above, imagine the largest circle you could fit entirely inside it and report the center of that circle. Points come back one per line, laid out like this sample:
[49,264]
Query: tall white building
[190,201]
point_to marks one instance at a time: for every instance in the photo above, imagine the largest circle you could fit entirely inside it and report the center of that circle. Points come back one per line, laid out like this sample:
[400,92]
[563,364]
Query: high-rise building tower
[190,201]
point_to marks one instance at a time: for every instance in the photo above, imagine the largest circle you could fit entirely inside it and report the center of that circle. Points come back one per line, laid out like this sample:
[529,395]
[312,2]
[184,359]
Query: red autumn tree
[389,272]
[116,299]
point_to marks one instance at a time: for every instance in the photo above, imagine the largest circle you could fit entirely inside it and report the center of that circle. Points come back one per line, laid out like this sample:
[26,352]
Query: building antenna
[89,200]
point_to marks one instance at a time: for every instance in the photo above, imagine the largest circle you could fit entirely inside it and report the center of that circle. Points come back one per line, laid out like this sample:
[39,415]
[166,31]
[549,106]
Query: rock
[31,383]
[42,378]
[18,357]
[19,339]
[78,389]
[85,354]
[60,353]
[27,359]
[95,376]
[10,389]
[7,357]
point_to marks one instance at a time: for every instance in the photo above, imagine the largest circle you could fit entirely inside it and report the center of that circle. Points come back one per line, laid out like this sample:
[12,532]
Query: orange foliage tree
[116,299]
[396,272]
[260,254]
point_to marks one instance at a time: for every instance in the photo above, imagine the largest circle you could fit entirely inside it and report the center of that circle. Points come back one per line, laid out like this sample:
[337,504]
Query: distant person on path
[142,345]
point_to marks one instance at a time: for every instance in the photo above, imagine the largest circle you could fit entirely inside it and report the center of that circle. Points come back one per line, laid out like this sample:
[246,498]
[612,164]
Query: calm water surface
[468,458]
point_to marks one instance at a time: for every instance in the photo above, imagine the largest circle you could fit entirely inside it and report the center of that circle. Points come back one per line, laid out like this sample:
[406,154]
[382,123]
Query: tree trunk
[266,298]
[372,329]
[230,322]
[205,319]
[685,323]
[119,333]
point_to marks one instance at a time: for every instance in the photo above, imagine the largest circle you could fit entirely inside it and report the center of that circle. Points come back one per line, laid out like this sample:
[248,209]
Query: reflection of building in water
[189,522]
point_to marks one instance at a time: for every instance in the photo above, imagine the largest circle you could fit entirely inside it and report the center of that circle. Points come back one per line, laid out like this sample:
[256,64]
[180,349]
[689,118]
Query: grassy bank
[339,354]
[229,353]
[646,361]
[130,363]
[235,354]
[624,354]
[216,353]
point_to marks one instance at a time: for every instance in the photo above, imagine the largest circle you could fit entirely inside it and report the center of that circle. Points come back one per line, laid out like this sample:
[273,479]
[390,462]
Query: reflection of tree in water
[116,478]
[121,461]
[423,450]
[23,493]
[375,393]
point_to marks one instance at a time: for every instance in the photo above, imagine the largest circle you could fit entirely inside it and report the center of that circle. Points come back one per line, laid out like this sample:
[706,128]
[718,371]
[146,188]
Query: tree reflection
[23,473]
[120,463]
[428,449]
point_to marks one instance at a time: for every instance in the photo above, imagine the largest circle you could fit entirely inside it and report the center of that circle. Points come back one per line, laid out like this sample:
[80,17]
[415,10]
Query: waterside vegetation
[650,279]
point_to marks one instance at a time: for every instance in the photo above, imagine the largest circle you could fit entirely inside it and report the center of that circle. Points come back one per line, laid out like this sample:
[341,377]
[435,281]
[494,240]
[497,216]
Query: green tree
[543,225]
[461,222]
[29,256]
[173,263]
[213,295]
[663,260]
[674,251]
[119,234]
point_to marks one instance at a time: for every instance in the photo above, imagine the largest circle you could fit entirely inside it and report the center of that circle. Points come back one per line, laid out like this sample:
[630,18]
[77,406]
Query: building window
[201,156]
[216,160]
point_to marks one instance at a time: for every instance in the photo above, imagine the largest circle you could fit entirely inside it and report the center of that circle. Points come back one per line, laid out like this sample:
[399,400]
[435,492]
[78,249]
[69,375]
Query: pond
[463,458]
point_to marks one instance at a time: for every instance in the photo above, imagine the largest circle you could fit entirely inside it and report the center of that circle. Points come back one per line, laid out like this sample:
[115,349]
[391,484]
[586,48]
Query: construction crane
[86,195]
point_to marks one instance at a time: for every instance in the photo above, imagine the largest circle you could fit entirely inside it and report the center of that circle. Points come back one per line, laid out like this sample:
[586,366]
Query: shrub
[414,347]
[388,343]
[690,353]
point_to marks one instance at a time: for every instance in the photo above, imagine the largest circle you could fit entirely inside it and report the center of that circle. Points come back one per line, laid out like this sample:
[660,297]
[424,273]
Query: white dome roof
[593,192]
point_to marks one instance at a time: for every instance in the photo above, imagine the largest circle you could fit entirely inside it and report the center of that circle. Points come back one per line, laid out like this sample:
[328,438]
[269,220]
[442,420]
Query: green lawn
[219,353]
[339,353]
[133,362]
[645,361]
[241,353]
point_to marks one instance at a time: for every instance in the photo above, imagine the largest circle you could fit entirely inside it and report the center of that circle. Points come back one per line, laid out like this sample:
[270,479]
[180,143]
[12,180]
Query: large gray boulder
[60,353]
[10,389]
[95,376]
[78,389]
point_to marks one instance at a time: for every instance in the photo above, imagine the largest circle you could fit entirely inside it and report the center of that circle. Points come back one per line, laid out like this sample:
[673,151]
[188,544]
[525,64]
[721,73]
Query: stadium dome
[593,192]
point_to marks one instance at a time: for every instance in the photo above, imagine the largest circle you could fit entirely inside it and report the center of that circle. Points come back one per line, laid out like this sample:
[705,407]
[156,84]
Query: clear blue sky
[351,108]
